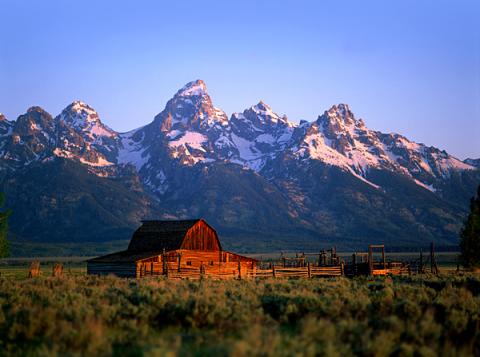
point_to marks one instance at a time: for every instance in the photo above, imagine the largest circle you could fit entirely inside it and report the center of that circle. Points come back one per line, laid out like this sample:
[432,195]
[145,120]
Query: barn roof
[160,235]
[125,256]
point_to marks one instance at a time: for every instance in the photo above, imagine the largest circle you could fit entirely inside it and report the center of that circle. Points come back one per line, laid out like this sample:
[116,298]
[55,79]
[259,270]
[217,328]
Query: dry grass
[85,315]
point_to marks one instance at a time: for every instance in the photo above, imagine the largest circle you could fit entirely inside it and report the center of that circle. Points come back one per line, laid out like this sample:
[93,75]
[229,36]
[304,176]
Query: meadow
[84,315]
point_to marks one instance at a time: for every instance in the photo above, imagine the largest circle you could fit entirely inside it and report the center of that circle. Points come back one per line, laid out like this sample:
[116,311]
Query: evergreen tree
[470,235]
[4,244]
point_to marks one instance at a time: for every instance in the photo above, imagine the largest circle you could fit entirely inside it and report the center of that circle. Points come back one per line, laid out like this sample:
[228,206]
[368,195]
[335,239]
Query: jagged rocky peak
[37,110]
[339,119]
[78,114]
[265,111]
[35,119]
[261,116]
[2,118]
[191,108]
[196,88]
[81,116]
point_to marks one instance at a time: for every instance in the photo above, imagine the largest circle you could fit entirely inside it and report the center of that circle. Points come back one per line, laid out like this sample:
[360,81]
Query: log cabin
[182,249]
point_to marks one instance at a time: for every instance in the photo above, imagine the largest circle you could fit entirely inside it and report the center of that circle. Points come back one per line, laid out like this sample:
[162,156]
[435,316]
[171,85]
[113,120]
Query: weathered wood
[433,261]
[57,270]
[201,237]
[34,270]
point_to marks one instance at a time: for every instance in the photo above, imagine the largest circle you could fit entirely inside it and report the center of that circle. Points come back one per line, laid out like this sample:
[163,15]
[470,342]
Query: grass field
[18,267]
[86,315]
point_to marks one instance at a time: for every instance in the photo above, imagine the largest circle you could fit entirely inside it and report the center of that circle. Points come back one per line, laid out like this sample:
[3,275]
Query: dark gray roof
[124,256]
[160,235]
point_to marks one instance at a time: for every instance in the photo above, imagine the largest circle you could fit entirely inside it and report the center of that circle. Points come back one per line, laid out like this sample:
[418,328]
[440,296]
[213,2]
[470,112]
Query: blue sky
[411,67]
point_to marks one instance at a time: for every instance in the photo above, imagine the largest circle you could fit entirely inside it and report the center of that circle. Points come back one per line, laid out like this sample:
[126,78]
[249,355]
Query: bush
[88,315]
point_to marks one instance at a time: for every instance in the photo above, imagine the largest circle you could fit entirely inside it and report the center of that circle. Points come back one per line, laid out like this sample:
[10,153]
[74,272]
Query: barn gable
[194,234]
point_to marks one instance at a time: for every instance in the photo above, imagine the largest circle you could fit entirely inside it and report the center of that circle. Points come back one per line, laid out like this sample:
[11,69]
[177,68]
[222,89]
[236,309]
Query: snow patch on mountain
[131,151]
[190,139]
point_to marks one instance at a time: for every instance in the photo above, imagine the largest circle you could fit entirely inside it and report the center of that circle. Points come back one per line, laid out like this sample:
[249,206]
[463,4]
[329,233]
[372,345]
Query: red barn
[187,248]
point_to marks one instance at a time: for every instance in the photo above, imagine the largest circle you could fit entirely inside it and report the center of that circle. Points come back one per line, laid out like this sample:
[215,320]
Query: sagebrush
[87,315]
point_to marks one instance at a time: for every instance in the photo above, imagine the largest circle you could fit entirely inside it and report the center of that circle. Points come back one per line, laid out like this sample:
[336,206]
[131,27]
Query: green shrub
[88,315]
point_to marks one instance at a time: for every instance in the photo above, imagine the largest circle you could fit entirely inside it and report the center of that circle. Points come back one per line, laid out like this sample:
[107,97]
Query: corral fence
[241,272]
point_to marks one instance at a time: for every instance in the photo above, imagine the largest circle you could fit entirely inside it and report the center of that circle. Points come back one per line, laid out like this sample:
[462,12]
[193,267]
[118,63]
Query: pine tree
[470,235]
[4,244]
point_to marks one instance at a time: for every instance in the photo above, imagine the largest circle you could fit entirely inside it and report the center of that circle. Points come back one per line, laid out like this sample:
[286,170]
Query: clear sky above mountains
[411,67]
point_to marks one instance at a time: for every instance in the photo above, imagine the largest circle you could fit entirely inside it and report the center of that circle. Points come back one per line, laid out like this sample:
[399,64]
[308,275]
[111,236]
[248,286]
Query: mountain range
[263,181]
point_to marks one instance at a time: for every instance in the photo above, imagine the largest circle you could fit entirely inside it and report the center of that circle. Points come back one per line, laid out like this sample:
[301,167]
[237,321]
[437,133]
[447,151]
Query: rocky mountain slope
[264,181]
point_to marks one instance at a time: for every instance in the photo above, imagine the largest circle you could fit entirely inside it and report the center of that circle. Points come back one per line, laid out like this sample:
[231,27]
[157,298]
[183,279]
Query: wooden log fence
[174,271]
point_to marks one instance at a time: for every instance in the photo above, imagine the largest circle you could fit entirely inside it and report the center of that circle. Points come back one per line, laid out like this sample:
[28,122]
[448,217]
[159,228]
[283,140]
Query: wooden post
[354,264]
[179,261]
[164,264]
[383,258]
[202,270]
[273,271]
[432,258]
[433,262]
[151,268]
[370,260]
[34,269]
[57,270]
[342,269]
[137,270]
[166,269]
[421,261]
[239,270]
[309,271]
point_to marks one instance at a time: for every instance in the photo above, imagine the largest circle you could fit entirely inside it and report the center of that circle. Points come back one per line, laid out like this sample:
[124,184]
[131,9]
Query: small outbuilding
[185,248]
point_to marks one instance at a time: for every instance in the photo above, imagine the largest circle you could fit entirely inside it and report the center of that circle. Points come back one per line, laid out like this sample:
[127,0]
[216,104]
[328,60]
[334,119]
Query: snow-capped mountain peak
[339,118]
[191,131]
[81,117]
[196,88]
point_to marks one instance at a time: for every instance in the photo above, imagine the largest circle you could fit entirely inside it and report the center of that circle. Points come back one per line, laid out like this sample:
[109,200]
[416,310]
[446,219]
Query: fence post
[433,262]
[179,259]
[342,268]
[309,271]
[273,271]
[421,261]
[239,270]
[370,260]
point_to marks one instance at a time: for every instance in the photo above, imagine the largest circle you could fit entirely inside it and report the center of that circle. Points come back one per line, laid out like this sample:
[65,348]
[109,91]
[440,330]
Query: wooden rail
[173,270]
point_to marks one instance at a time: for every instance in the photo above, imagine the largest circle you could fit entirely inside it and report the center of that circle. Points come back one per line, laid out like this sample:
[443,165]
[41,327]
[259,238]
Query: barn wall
[201,237]
[124,269]
[182,259]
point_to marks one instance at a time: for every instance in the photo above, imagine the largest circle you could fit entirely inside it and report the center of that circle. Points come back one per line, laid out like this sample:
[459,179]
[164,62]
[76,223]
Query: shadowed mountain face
[263,181]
